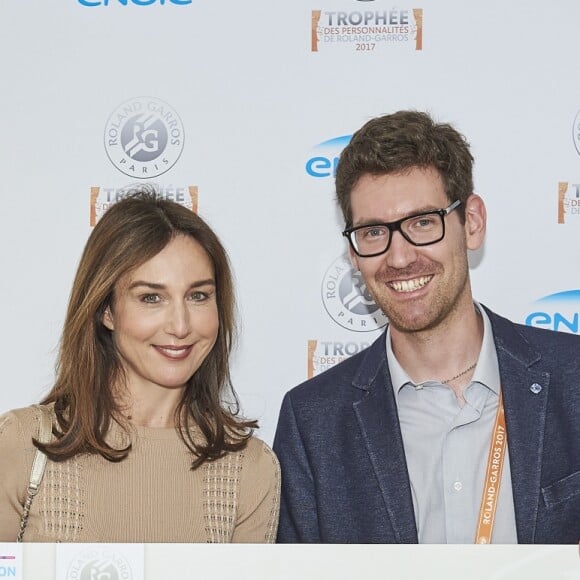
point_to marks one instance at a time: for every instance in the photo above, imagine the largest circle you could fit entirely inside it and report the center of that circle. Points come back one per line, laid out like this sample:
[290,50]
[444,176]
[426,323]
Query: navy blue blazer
[344,474]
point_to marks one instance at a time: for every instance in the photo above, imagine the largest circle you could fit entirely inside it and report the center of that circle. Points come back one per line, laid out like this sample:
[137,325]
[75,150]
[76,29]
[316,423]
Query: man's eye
[374,232]
[423,222]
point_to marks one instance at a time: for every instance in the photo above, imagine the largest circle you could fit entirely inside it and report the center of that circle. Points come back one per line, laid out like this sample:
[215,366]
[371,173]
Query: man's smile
[409,285]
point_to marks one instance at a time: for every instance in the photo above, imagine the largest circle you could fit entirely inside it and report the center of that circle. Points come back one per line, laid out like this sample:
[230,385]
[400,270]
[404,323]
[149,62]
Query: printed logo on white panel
[559,311]
[347,299]
[144,137]
[576,132]
[366,30]
[100,562]
[102,197]
[11,561]
[568,202]
[324,354]
[106,3]
[324,158]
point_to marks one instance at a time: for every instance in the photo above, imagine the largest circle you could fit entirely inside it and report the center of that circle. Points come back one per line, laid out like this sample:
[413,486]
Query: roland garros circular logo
[144,137]
[576,132]
[99,564]
[347,299]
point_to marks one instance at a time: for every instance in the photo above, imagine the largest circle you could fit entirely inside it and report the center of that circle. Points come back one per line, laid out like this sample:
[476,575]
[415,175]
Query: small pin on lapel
[535,388]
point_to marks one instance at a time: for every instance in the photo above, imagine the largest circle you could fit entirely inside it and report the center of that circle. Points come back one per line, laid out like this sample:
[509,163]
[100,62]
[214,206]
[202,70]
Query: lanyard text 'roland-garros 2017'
[492,483]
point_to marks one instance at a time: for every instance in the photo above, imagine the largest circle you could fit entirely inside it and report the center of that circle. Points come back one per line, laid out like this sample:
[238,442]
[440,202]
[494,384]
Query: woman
[143,446]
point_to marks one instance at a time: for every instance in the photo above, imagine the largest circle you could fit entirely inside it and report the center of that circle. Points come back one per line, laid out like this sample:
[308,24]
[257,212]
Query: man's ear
[475,221]
[107,319]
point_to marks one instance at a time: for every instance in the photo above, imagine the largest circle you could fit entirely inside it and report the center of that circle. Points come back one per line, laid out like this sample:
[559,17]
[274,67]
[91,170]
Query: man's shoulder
[555,352]
[545,336]
[541,338]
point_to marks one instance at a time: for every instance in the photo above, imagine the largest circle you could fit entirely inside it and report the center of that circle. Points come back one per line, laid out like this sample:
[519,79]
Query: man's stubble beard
[441,306]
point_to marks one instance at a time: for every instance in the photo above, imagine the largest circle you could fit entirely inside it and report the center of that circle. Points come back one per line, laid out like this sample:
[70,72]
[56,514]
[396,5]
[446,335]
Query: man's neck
[442,352]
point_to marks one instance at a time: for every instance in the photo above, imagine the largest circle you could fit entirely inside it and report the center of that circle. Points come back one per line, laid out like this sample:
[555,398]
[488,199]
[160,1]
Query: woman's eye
[198,296]
[151,298]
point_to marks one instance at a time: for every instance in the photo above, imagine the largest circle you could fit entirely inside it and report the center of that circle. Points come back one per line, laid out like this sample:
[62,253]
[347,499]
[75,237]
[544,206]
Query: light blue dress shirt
[447,447]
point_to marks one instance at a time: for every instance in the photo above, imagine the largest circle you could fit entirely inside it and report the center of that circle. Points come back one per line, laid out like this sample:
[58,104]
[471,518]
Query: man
[456,425]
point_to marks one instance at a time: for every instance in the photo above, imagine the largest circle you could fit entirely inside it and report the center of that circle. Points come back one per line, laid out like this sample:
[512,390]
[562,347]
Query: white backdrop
[258,103]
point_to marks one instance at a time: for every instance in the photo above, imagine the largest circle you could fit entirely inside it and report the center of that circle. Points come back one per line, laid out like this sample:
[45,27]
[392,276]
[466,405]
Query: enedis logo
[91,3]
[8,567]
[347,300]
[324,160]
[7,571]
[102,198]
[144,137]
[568,201]
[323,355]
[559,311]
[366,31]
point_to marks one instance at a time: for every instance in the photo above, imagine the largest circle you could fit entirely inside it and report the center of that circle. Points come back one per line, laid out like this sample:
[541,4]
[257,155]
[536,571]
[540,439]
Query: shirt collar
[486,371]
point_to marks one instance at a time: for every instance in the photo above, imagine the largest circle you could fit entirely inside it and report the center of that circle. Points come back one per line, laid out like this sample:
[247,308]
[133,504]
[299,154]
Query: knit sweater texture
[151,496]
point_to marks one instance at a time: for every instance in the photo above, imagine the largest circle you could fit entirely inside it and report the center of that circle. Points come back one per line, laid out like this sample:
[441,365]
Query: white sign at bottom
[100,562]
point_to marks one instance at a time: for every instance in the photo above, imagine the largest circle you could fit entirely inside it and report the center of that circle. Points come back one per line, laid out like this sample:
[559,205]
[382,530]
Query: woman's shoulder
[21,425]
[259,456]
[256,448]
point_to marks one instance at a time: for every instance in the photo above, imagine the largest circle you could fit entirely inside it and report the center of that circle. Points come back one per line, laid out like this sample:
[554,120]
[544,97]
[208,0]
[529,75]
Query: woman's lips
[173,352]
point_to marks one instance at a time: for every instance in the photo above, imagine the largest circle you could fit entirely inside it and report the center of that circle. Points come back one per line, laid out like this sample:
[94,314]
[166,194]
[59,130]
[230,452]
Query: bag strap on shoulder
[38,466]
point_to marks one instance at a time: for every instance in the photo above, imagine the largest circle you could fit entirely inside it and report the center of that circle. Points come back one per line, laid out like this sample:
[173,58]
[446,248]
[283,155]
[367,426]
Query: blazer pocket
[562,490]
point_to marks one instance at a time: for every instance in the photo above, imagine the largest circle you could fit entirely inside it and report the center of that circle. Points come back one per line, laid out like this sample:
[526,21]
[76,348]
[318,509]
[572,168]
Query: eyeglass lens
[419,230]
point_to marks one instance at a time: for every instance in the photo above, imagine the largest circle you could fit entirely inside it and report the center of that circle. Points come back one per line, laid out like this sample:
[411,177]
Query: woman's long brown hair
[88,367]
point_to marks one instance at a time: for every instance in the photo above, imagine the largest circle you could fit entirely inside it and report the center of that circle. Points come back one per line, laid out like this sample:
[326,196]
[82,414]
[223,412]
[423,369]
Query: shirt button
[457,486]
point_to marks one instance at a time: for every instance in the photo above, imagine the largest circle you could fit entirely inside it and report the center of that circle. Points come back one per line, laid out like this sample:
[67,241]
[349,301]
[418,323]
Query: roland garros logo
[99,564]
[576,132]
[347,299]
[144,137]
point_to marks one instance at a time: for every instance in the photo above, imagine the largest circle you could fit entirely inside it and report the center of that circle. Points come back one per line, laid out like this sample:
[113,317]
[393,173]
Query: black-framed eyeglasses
[421,229]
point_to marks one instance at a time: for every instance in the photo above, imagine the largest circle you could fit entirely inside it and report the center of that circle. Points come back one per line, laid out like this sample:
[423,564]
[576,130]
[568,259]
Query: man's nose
[401,252]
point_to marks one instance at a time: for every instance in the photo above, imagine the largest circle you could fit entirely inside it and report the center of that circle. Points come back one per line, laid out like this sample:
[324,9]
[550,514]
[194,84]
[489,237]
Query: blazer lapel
[525,390]
[377,417]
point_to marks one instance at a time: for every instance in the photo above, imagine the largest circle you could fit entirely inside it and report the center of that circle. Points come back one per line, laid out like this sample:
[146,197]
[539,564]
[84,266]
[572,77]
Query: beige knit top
[151,496]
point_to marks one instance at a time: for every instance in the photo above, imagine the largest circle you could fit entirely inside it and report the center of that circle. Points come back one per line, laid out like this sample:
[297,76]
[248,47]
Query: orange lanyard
[492,484]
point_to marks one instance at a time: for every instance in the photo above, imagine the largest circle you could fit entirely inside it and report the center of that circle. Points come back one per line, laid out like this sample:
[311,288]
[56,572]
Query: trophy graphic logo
[312,344]
[102,198]
[562,189]
[418,15]
[314,32]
